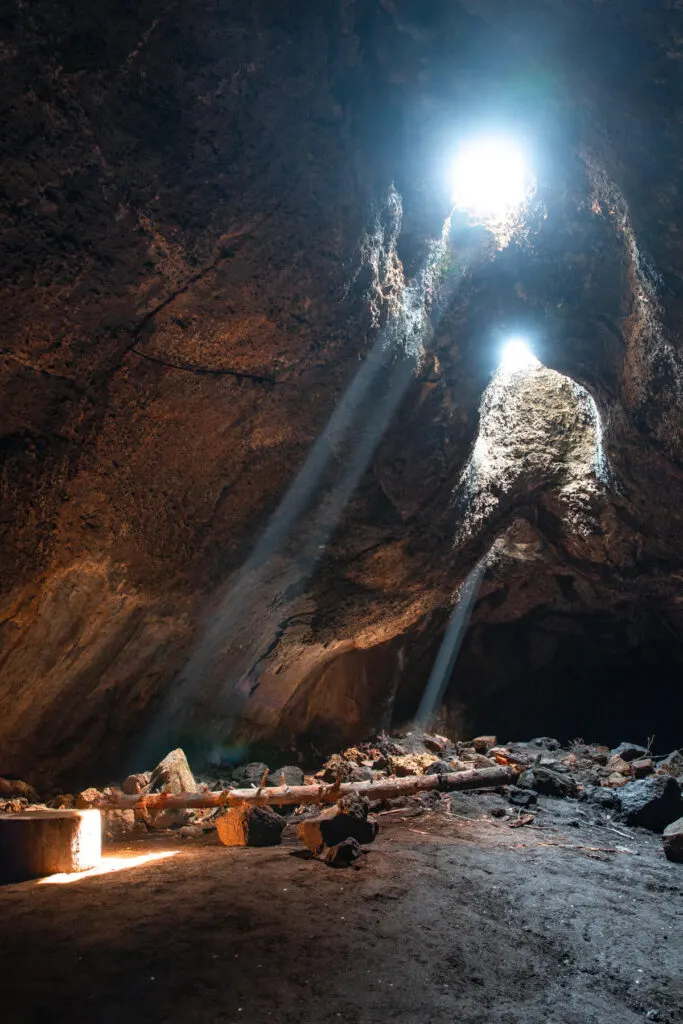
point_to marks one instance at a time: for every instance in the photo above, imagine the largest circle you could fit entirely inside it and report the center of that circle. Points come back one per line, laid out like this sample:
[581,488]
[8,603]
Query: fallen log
[385,789]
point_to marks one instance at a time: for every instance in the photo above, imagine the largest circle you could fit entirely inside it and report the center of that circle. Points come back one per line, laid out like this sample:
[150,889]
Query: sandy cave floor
[447,919]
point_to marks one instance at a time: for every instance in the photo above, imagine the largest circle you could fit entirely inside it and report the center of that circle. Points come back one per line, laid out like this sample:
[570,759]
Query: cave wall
[208,214]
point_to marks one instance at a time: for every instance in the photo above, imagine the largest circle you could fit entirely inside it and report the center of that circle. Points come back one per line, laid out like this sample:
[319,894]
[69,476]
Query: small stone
[250,826]
[436,744]
[293,776]
[672,764]
[629,751]
[88,796]
[482,744]
[642,767]
[548,782]
[652,803]
[617,765]
[673,841]
[547,742]
[522,797]
[606,798]
[336,767]
[440,768]
[119,824]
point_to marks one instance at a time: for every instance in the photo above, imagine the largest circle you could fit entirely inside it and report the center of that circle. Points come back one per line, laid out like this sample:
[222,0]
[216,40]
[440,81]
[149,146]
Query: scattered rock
[17,789]
[347,819]
[651,803]
[618,766]
[629,751]
[606,798]
[88,796]
[547,742]
[548,782]
[642,767]
[64,800]
[336,767]
[138,783]
[436,744]
[249,776]
[673,841]
[482,744]
[119,824]
[292,774]
[522,797]
[672,764]
[343,854]
[410,764]
[250,826]
[440,768]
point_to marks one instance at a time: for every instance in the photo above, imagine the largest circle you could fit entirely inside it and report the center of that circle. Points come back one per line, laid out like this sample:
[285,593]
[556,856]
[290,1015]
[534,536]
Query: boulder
[629,751]
[347,819]
[673,841]
[651,803]
[173,775]
[117,825]
[250,826]
[482,744]
[293,776]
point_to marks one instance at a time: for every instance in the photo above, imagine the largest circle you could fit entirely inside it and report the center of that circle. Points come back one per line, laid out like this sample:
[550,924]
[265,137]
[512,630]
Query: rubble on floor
[626,784]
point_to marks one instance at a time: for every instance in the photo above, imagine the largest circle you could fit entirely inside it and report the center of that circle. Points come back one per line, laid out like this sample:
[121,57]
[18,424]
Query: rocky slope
[209,215]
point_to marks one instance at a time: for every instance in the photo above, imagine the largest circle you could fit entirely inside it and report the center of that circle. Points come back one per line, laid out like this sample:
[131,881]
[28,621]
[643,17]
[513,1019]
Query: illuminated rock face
[200,244]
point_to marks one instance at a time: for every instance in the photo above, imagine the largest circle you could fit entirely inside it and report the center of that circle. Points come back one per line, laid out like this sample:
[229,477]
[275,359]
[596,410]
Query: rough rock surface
[208,216]
[651,803]
[673,841]
[250,826]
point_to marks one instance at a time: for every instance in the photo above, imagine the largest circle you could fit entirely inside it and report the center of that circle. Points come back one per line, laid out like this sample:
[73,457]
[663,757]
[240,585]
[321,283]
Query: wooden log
[47,842]
[315,794]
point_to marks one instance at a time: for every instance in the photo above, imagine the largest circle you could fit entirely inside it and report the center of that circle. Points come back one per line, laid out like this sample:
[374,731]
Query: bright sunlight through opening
[490,176]
[517,356]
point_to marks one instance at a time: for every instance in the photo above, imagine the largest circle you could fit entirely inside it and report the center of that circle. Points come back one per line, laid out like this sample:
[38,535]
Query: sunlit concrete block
[46,842]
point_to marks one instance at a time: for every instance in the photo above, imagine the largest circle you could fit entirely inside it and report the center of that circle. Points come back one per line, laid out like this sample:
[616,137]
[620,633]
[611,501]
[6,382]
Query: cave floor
[447,919]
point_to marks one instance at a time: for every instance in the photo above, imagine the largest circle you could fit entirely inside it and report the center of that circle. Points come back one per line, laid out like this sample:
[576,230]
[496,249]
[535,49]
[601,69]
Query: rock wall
[209,213]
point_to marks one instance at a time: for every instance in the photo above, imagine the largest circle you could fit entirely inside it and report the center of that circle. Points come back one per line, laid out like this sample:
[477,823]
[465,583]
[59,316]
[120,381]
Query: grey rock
[293,776]
[343,854]
[673,841]
[248,775]
[522,797]
[548,782]
[651,803]
[439,768]
[547,742]
[173,775]
[628,751]
[604,797]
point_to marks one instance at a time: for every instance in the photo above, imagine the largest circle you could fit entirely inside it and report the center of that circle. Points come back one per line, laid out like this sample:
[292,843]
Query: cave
[342,398]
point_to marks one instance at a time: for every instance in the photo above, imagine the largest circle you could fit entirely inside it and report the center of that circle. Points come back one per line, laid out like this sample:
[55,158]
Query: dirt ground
[455,919]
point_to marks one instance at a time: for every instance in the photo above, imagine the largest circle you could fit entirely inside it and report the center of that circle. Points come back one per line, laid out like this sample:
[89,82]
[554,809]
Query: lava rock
[642,767]
[250,826]
[439,768]
[603,797]
[547,742]
[673,841]
[293,776]
[250,775]
[629,751]
[343,854]
[651,803]
[548,782]
[138,783]
[436,744]
[336,767]
[482,744]
[522,797]
[347,819]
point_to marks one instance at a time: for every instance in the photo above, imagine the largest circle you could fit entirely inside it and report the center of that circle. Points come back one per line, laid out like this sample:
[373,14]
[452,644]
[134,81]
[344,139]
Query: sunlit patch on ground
[107,865]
